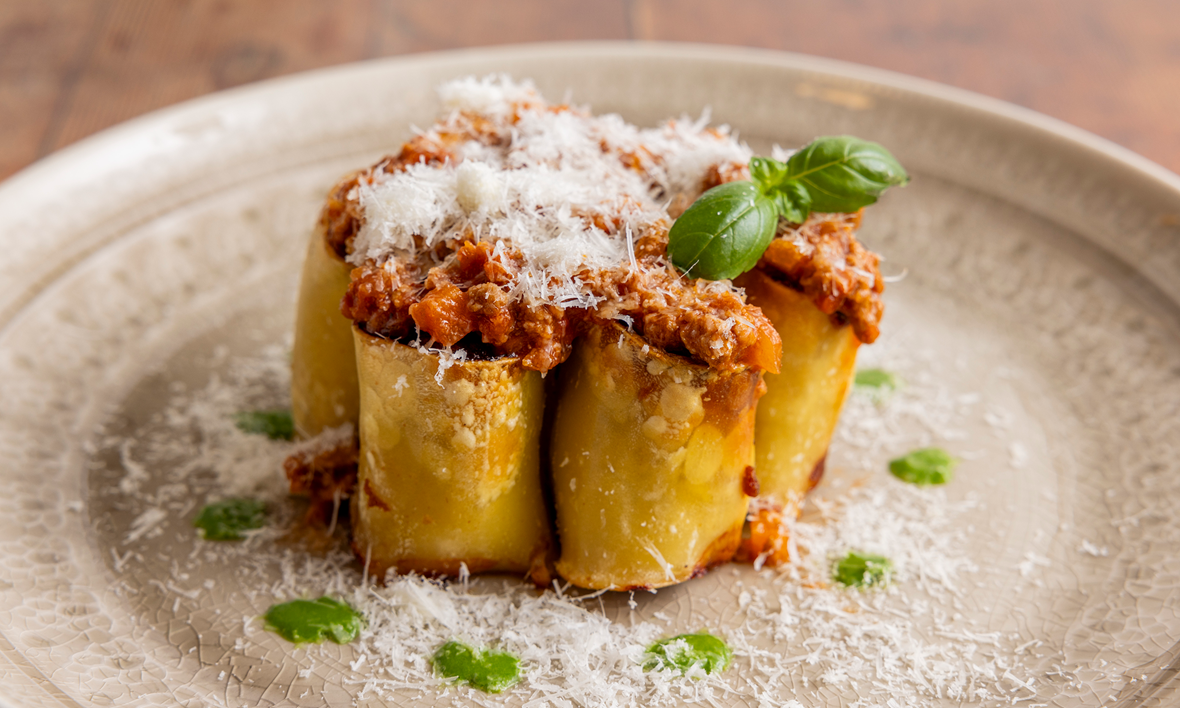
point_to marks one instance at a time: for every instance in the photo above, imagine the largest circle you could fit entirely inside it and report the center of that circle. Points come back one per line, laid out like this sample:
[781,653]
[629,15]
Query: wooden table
[69,68]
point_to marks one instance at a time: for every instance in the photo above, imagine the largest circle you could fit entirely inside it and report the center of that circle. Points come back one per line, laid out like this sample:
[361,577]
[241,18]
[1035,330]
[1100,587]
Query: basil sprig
[724,232]
[727,229]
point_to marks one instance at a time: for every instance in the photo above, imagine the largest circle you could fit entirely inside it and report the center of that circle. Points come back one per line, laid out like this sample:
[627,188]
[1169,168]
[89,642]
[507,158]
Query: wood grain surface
[69,68]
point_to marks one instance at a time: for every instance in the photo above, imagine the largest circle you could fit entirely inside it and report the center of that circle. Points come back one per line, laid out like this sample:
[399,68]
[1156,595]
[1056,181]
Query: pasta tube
[323,365]
[798,415]
[449,469]
[651,458]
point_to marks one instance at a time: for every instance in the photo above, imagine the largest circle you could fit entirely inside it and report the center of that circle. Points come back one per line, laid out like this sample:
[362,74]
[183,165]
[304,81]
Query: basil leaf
[843,173]
[930,465]
[275,424]
[228,520]
[685,652]
[489,671]
[768,174]
[724,232]
[858,570]
[774,180]
[313,621]
[793,201]
[878,379]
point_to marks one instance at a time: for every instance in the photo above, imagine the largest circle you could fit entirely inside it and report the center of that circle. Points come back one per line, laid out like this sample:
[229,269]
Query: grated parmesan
[547,190]
[797,641]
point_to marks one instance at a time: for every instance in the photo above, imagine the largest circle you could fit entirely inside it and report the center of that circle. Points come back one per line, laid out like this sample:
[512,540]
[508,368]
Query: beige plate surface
[1043,282]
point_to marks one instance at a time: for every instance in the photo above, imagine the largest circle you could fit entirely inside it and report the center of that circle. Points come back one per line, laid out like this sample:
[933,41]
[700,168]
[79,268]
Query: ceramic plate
[1035,318]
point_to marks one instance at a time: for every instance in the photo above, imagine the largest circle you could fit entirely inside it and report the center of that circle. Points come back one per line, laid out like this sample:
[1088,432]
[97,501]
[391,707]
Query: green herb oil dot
[686,652]
[489,671]
[862,570]
[275,424]
[877,380]
[226,520]
[313,621]
[931,465]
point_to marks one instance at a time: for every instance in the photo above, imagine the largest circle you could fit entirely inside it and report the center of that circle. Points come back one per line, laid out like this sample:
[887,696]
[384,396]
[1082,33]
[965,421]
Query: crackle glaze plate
[1039,312]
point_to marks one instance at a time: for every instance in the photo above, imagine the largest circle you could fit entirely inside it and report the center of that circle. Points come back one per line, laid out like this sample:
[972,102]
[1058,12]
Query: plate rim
[1034,124]
[156,135]
[996,107]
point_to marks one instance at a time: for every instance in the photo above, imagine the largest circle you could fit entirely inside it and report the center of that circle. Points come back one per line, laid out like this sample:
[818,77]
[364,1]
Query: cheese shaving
[564,188]
[797,640]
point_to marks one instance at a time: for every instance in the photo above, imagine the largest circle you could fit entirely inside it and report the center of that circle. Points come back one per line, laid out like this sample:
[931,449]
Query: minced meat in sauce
[822,259]
[464,285]
[468,293]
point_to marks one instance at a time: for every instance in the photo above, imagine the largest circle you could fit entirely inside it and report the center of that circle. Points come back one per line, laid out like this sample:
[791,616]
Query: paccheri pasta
[822,290]
[533,384]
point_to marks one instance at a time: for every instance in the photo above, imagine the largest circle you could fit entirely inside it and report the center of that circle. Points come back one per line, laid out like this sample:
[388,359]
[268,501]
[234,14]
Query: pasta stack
[534,386]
